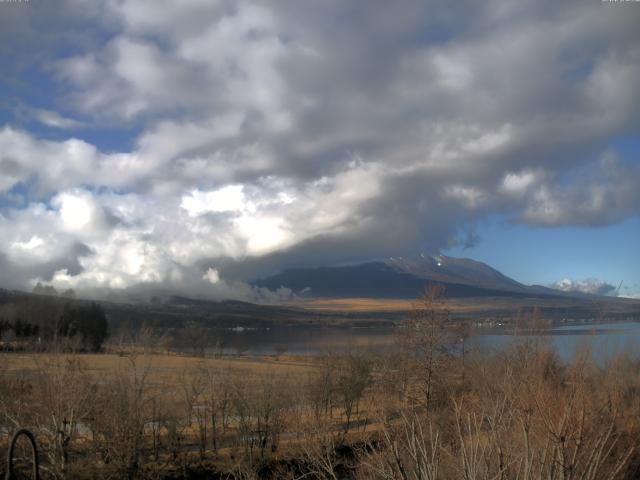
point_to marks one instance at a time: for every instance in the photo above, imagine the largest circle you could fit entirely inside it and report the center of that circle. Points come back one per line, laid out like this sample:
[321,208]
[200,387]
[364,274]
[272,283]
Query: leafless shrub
[406,449]
[62,394]
[119,416]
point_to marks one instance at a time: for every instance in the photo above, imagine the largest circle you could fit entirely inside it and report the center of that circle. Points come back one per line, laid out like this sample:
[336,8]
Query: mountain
[463,271]
[403,278]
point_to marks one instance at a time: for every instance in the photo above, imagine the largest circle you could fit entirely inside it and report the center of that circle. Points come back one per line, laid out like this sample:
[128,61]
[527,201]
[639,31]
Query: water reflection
[303,340]
[605,339]
[602,339]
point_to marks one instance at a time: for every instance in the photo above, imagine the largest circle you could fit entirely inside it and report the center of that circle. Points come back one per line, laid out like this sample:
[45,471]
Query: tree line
[33,322]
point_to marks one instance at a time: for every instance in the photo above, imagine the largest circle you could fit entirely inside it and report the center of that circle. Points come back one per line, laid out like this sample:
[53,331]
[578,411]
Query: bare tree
[217,400]
[354,376]
[63,392]
[119,416]
[321,388]
[427,340]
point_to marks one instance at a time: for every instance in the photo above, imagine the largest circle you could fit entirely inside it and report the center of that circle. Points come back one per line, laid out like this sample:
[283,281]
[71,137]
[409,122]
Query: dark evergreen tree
[90,323]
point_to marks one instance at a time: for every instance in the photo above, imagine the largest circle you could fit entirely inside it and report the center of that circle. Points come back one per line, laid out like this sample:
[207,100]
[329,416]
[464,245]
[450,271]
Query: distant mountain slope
[398,278]
[456,270]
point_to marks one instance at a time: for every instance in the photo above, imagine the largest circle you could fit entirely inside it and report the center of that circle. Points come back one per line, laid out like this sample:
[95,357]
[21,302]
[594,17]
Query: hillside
[404,278]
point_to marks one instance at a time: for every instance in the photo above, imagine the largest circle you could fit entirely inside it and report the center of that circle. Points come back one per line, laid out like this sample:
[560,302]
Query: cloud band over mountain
[248,137]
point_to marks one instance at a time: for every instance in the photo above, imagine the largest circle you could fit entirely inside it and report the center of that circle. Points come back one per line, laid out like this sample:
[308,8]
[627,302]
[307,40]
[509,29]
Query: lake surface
[604,339]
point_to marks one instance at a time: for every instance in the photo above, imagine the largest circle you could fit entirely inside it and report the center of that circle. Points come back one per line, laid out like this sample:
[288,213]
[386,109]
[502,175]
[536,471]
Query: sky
[196,145]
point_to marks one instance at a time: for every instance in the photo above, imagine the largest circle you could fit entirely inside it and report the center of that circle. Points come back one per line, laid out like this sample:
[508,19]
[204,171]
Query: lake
[605,339]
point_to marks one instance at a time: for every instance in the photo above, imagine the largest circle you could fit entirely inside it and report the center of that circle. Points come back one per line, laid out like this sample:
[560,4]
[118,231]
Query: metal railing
[11,475]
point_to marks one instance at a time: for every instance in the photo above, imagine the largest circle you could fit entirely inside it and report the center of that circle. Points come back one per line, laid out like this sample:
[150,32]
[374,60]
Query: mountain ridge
[401,277]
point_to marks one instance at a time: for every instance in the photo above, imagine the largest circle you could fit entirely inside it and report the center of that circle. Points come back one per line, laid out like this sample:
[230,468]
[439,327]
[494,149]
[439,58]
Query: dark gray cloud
[17,275]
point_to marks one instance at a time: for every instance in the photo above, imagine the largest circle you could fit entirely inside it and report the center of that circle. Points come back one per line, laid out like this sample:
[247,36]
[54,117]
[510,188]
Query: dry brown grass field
[353,304]
[421,411]
[164,366]
[517,414]
[477,307]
